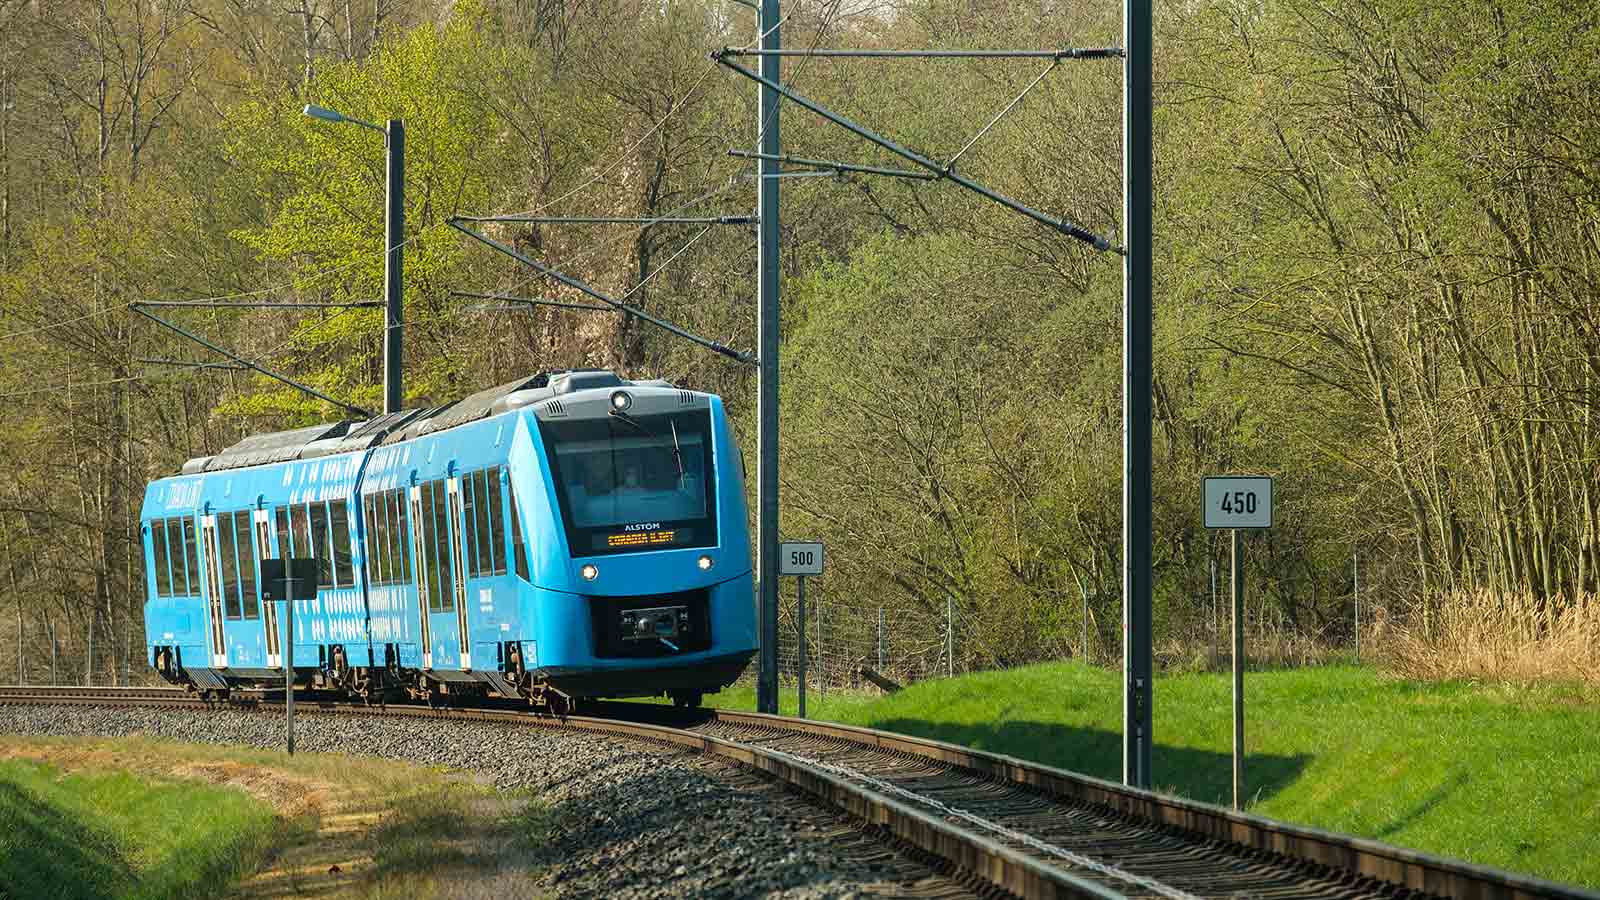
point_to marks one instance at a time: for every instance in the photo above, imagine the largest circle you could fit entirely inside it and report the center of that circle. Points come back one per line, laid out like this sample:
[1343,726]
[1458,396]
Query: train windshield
[630,483]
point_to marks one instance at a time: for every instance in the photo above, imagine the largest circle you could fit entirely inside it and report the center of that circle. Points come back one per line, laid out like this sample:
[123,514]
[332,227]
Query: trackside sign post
[279,580]
[1237,502]
[800,558]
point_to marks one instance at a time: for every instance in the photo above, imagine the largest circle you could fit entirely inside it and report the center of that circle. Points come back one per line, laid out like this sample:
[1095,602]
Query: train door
[269,615]
[210,562]
[459,557]
[419,550]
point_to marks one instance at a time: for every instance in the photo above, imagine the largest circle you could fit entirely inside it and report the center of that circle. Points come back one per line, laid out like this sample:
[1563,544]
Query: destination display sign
[635,537]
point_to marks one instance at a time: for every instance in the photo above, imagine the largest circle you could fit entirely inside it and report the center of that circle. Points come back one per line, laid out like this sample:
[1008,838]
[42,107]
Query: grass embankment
[1499,775]
[139,817]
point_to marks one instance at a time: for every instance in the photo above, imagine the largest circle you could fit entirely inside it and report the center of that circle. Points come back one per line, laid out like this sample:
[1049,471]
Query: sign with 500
[800,558]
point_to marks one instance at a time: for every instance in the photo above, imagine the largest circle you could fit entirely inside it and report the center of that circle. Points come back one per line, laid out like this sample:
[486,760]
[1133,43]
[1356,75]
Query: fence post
[1355,574]
[881,646]
[801,590]
[822,670]
[1083,639]
[950,637]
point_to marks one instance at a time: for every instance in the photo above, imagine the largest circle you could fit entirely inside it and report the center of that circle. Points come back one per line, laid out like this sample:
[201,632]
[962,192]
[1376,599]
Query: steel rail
[1403,869]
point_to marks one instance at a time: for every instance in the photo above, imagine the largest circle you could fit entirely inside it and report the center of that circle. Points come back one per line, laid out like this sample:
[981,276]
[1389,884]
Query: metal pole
[1238,672]
[802,590]
[1136,378]
[288,662]
[394,219]
[949,637]
[1083,590]
[767,351]
[881,646]
[1355,573]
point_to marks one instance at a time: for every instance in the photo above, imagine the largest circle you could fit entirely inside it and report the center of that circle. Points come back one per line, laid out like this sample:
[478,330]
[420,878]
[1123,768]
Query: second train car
[563,536]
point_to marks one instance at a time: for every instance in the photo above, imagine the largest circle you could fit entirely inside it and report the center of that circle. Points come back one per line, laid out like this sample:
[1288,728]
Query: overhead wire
[118,307]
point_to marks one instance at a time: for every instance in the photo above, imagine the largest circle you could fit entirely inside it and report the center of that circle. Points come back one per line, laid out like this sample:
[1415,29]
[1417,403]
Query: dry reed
[1489,636]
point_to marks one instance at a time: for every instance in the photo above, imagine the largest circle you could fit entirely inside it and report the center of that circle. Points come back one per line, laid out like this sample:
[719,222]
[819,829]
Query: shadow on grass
[1439,795]
[46,852]
[1202,775]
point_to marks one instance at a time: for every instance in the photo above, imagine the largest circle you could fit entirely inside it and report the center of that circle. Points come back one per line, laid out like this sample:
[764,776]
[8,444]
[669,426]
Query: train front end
[643,585]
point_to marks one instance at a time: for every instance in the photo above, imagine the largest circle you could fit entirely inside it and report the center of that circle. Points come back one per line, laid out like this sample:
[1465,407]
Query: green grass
[114,834]
[147,817]
[1498,775]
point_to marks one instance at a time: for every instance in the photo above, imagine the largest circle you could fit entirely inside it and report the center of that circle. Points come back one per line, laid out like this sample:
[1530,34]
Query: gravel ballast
[627,819]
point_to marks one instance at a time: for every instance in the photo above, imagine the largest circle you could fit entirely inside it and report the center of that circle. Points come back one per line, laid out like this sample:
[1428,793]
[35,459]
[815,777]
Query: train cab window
[339,520]
[180,578]
[230,566]
[189,557]
[497,521]
[319,545]
[632,483]
[247,564]
[517,549]
[158,552]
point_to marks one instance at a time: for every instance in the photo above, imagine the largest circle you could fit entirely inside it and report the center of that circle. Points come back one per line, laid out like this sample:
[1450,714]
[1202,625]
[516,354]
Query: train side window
[370,529]
[339,521]
[382,512]
[435,541]
[483,524]
[230,566]
[441,533]
[469,527]
[180,577]
[319,544]
[398,533]
[158,552]
[497,522]
[247,564]
[302,532]
[189,556]
[518,550]
[285,540]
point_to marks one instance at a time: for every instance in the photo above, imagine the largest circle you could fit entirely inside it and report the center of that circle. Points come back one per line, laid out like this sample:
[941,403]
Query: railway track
[1027,829]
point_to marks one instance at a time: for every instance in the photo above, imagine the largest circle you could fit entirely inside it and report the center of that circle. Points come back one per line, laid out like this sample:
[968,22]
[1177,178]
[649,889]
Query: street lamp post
[394,219]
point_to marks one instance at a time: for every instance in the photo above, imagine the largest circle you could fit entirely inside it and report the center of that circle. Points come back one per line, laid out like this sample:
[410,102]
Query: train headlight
[704,562]
[620,400]
[590,571]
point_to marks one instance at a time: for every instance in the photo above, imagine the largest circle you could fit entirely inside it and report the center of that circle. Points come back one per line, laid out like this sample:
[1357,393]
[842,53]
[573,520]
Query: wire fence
[855,643]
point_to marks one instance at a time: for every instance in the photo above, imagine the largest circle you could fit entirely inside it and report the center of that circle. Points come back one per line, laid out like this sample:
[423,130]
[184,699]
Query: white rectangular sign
[1237,502]
[800,558]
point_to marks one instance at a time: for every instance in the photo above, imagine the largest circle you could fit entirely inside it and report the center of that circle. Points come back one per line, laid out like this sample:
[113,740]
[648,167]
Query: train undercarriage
[558,691]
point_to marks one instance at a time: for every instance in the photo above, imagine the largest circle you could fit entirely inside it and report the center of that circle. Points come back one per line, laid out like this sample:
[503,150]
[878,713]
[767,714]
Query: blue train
[564,536]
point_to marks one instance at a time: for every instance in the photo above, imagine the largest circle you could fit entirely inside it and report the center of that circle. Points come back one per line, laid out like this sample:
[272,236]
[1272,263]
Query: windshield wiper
[677,453]
[619,414]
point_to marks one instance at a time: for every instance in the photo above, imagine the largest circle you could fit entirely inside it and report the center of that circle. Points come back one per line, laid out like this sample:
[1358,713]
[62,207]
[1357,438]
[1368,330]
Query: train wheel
[687,699]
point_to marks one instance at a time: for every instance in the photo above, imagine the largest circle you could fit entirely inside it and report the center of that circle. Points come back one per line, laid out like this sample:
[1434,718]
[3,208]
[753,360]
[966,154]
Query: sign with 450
[1237,501]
